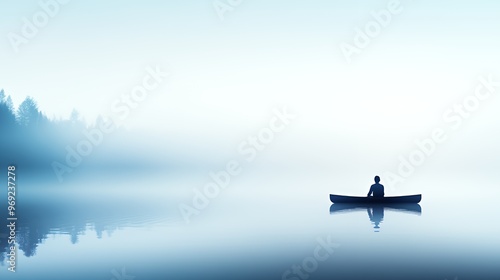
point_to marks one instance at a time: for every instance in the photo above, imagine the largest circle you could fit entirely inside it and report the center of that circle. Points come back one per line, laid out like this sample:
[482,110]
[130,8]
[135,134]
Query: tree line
[29,117]
[30,138]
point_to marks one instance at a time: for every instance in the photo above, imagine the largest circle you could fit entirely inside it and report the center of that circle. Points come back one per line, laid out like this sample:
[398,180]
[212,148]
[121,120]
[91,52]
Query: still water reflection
[376,211]
[42,216]
[88,235]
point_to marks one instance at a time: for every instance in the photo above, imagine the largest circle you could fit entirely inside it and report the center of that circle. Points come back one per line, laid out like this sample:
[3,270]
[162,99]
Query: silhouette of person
[376,189]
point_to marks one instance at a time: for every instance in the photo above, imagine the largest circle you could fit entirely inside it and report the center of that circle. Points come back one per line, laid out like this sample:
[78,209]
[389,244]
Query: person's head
[377,179]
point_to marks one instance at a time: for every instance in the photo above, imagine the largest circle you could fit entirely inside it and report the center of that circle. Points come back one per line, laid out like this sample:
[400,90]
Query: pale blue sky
[93,50]
[228,75]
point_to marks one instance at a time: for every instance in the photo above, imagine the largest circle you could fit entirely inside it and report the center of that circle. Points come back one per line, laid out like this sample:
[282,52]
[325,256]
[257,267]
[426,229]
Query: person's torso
[378,190]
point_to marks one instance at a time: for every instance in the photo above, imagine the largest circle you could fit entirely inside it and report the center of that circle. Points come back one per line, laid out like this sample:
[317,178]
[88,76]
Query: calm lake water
[252,230]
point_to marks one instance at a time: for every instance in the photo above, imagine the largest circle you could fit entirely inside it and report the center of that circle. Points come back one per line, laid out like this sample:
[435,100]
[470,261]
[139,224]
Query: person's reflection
[375,211]
[376,215]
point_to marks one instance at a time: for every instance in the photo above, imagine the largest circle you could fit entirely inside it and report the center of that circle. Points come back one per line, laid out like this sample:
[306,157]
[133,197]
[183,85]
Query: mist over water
[259,226]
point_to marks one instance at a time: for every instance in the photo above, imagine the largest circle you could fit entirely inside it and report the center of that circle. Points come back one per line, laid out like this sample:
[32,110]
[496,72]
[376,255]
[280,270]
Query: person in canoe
[376,189]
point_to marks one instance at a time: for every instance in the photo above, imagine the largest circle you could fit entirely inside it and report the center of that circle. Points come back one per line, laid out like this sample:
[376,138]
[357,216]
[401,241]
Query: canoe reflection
[375,211]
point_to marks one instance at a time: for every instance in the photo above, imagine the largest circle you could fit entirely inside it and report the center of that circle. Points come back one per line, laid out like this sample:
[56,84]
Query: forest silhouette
[30,138]
[33,141]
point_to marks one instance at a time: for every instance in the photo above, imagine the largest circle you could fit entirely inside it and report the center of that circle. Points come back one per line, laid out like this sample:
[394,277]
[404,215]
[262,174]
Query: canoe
[382,200]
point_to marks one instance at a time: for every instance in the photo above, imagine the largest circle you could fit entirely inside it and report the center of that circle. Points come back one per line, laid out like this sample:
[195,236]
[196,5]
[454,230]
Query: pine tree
[27,113]
[7,116]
